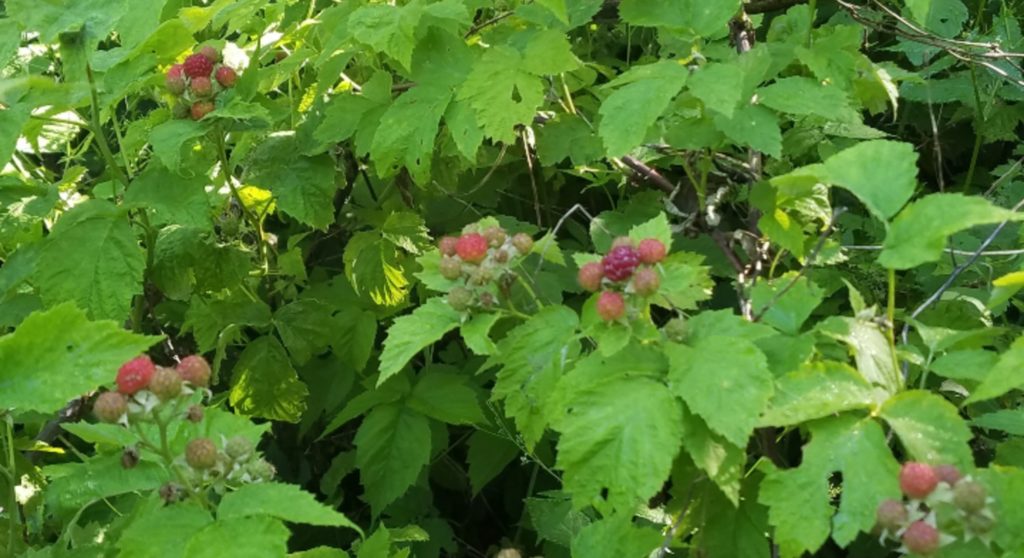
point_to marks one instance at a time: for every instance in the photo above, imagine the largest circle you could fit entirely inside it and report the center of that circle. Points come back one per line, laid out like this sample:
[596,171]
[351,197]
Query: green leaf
[726,381]
[548,53]
[871,350]
[462,125]
[94,241]
[788,310]
[354,334]
[446,397]
[476,333]
[817,390]
[620,431]
[407,130]
[160,532]
[502,93]
[633,108]
[375,267]
[58,355]
[1010,421]
[723,323]
[945,17]
[737,530]
[722,461]
[255,537]
[52,17]
[719,86]
[554,518]
[929,427]
[171,198]
[412,333]
[303,186]
[392,447]
[881,173]
[347,113]
[265,385]
[170,137]
[918,235]
[75,484]
[305,327]
[531,357]
[11,125]
[615,537]
[704,18]
[803,96]
[568,137]
[1006,485]
[208,319]
[753,126]
[286,502]
[388,29]
[973,364]
[488,455]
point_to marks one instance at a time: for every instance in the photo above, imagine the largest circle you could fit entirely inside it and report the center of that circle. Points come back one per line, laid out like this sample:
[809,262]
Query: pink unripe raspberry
[175,79]
[195,370]
[211,53]
[523,243]
[651,251]
[590,276]
[921,538]
[135,375]
[646,281]
[447,245]
[110,406]
[226,77]
[611,306]
[166,383]
[471,247]
[201,87]
[918,480]
[891,515]
[948,474]
[201,454]
[620,262]
[197,65]
[200,109]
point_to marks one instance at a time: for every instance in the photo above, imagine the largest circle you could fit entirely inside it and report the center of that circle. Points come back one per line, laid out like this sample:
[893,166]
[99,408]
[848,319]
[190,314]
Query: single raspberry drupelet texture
[195,370]
[198,65]
[110,406]
[970,496]
[200,109]
[620,262]
[590,276]
[948,474]
[201,454]
[651,251]
[891,515]
[135,375]
[471,247]
[921,538]
[450,268]
[447,245]
[201,87]
[226,77]
[166,383]
[211,53]
[175,79]
[918,480]
[523,243]
[646,281]
[611,306]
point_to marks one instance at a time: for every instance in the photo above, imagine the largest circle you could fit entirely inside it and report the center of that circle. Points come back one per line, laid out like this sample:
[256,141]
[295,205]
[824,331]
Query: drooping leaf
[264,383]
[737,531]
[874,357]
[392,447]
[722,461]
[881,173]
[1007,374]
[786,309]
[704,18]
[407,130]
[303,186]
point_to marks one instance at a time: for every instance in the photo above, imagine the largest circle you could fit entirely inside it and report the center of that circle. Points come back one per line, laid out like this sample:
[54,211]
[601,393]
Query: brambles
[450,268]
[226,77]
[175,79]
[110,406]
[485,258]
[200,109]
[892,515]
[918,480]
[201,454]
[238,447]
[611,306]
[471,248]
[210,53]
[166,383]
[921,538]
[676,330]
[447,245]
[201,87]
[970,496]
[195,370]
[197,82]
[646,282]
[135,374]
[651,251]
[523,243]
[620,262]
[198,66]
[590,276]
[948,474]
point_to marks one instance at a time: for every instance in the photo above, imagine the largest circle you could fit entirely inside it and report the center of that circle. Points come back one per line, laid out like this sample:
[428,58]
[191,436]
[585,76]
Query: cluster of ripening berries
[480,257]
[628,268]
[197,82]
[929,489]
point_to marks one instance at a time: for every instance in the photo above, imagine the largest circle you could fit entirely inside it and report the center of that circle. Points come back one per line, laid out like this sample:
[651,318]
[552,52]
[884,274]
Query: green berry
[110,406]
[451,268]
[969,496]
[523,243]
[201,454]
[238,447]
[166,383]
[460,298]
[676,330]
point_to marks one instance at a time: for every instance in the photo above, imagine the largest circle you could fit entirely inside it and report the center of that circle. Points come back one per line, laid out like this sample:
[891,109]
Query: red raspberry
[198,65]
[201,87]
[891,515]
[646,281]
[110,406]
[451,268]
[166,383]
[970,496]
[651,251]
[918,480]
[226,77]
[620,262]
[175,79]
[590,276]
[135,374]
[447,245]
[948,474]
[200,109]
[921,538]
[211,53]
[201,454]
[611,306]
[471,247]
[195,370]
[523,243]
[495,236]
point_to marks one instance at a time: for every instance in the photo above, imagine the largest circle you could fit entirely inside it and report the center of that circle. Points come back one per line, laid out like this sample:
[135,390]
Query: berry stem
[13,512]
[249,216]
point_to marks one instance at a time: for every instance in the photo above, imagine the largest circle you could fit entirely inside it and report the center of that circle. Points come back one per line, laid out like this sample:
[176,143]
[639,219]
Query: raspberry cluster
[142,386]
[940,504]
[479,257]
[627,269]
[197,81]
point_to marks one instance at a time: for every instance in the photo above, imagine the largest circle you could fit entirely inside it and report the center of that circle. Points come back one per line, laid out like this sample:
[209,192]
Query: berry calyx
[200,109]
[260,469]
[175,79]
[948,474]
[195,413]
[921,538]
[197,65]
[195,370]
[166,383]
[651,251]
[523,243]
[450,268]
[460,298]
[135,375]
[211,53]
[447,245]
[622,241]
[969,496]
[226,77]
[611,306]
[238,447]
[620,262]
[110,406]
[917,480]
[201,454]
[471,247]
[980,523]
[646,281]
[201,87]
[590,276]
[495,236]
[486,300]
[891,515]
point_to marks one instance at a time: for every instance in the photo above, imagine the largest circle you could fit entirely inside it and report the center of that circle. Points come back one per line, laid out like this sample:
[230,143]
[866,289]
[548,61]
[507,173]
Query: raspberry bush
[513,278]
